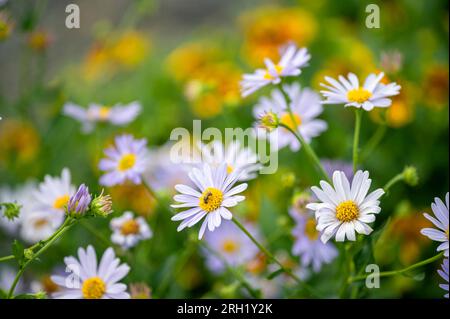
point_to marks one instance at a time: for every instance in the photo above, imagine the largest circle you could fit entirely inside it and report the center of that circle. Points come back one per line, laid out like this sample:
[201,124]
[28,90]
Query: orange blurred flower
[19,141]
[133,197]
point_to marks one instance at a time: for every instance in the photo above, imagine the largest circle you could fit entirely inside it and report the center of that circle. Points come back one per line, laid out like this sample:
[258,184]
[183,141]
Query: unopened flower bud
[11,210]
[101,205]
[269,121]
[410,176]
[79,203]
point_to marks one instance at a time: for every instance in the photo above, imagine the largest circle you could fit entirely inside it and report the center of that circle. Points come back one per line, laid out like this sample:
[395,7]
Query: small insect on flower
[118,114]
[311,250]
[349,92]
[125,161]
[444,274]
[345,208]
[87,281]
[291,62]
[128,230]
[212,198]
[79,203]
[440,210]
[231,244]
[241,159]
[305,106]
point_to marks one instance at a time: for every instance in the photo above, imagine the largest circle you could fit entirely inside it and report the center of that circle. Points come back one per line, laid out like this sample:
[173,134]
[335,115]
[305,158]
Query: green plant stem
[273,259]
[68,223]
[6,258]
[400,271]
[373,142]
[308,149]
[95,233]
[358,116]
[397,178]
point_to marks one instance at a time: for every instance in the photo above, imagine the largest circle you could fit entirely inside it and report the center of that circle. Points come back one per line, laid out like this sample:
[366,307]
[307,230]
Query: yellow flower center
[268,76]
[347,211]
[230,169]
[292,122]
[211,199]
[103,112]
[61,201]
[359,95]
[93,288]
[130,227]
[229,246]
[310,229]
[126,162]
[41,222]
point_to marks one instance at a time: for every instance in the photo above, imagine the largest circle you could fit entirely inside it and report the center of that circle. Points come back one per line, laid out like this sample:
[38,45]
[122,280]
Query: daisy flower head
[117,114]
[290,64]
[38,225]
[236,157]
[232,245]
[125,161]
[372,94]
[128,230]
[305,106]
[440,220]
[444,274]
[54,193]
[308,246]
[214,193]
[86,280]
[344,208]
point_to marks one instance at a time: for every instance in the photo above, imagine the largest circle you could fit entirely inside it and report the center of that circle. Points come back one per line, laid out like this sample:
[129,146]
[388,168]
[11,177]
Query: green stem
[95,232]
[376,138]
[46,244]
[6,258]
[358,116]
[397,178]
[400,271]
[308,149]
[350,270]
[272,258]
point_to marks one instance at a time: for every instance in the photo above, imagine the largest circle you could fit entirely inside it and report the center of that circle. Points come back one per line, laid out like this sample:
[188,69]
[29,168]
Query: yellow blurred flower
[435,91]
[109,55]
[402,110]
[19,141]
[39,40]
[267,29]
[140,291]
[6,25]
[133,197]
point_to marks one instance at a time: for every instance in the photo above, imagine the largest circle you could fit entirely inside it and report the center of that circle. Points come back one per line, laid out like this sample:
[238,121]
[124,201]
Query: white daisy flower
[444,274]
[39,225]
[87,281]
[238,158]
[212,198]
[117,114]
[305,106]
[345,208]
[440,210]
[350,93]
[291,62]
[128,231]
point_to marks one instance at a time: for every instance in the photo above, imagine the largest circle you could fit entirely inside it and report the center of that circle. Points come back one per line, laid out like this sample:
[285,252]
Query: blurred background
[182,60]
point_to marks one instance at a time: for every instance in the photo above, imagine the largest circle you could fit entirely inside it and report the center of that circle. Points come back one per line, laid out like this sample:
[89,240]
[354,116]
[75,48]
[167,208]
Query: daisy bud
[410,176]
[12,210]
[28,254]
[79,203]
[269,121]
[101,205]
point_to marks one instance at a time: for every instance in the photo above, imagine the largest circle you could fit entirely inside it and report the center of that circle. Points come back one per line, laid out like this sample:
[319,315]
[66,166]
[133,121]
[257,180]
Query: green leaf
[274,274]
[17,250]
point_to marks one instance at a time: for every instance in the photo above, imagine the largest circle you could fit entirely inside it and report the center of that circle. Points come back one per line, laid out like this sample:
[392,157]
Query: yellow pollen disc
[347,211]
[359,95]
[211,199]
[41,222]
[230,169]
[291,121]
[278,69]
[229,246]
[93,288]
[103,112]
[310,229]
[126,162]
[130,227]
[61,201]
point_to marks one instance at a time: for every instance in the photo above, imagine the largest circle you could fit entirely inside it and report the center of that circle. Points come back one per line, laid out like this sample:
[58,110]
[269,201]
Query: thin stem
[272,258]
[64,227]
[397,178]
[401,271]
[6,258]
[358,116]
[350,269]
[373,142]
[95,232]
[308,149]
